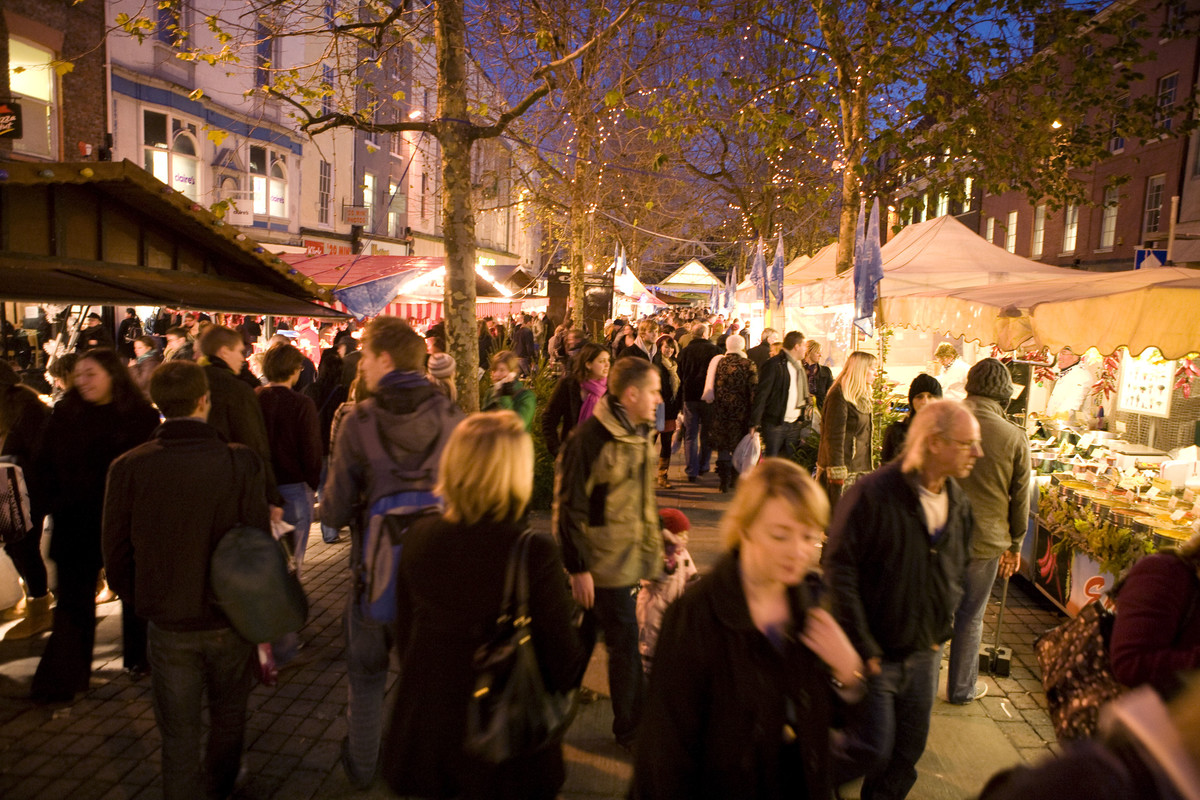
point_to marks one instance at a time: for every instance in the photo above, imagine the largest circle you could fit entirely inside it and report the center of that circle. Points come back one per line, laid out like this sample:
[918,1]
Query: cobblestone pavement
[105,745]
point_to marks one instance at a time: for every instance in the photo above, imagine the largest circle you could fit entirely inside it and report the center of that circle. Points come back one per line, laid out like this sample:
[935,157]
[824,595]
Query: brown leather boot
[38,618]
[664,465]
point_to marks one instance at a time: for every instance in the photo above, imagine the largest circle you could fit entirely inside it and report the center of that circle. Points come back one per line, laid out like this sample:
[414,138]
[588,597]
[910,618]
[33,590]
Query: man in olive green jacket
[606,518]
[998,488]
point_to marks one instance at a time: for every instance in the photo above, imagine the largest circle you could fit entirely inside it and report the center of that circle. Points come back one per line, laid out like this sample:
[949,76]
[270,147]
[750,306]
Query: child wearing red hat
[655,595]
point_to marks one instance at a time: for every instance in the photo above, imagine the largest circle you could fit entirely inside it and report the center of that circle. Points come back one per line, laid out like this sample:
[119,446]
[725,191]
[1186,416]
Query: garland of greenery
[1114,548]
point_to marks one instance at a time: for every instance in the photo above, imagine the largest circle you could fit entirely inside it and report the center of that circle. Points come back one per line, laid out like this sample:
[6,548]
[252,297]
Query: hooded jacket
[998,485]
[605,510]
[411,425]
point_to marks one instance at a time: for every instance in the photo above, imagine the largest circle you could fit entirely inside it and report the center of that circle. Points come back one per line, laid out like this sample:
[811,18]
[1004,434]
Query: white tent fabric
[795,268]
[1105,310]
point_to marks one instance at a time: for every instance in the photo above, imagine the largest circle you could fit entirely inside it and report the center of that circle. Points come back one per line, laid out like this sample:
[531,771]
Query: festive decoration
[87,172]
[1077,528]
[1106,382]
[1187,370]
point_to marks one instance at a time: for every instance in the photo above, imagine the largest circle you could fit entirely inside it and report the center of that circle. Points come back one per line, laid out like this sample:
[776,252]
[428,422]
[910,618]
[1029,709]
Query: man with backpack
[381,477]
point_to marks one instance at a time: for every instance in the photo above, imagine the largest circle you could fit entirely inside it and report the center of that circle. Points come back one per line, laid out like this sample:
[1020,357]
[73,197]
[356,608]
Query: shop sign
[10,120]
[1145,258]
[355,215]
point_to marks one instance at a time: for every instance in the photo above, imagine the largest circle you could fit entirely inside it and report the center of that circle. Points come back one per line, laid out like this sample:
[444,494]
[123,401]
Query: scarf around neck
[593,390]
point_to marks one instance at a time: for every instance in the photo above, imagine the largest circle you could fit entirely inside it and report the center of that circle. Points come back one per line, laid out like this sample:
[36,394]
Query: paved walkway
[106,744]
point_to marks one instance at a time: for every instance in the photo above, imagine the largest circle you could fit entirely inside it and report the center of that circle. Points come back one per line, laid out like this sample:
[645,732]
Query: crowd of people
[807,658]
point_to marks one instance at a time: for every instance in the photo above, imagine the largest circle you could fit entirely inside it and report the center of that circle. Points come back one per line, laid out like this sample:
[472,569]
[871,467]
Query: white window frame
[1010,233]
[1152,210]
[968,194]
[270,184]
[1038,245]
[171,154]
[991,230]
[1070,229]
[324,192]
[1165,93]
[369,187]
[1108,218]
[34,109]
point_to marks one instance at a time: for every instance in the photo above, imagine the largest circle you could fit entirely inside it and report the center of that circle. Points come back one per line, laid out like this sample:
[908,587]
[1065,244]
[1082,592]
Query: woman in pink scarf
[595,384]
[576,394]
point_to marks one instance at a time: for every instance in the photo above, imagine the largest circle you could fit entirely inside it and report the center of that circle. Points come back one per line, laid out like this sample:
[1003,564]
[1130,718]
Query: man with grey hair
[762,351]
[898,550]
[998,489]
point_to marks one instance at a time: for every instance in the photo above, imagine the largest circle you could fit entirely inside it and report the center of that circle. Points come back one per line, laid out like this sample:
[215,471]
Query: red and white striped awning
[424,312]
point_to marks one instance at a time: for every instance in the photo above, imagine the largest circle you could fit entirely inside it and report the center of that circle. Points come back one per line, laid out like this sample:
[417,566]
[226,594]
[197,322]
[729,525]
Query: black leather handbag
[511,712]
[254,586]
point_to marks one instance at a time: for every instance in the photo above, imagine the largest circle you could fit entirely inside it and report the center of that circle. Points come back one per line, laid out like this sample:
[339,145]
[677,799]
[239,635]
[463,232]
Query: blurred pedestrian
[449,592]
[507,391]
[748,664]
[845,450]
[733,392]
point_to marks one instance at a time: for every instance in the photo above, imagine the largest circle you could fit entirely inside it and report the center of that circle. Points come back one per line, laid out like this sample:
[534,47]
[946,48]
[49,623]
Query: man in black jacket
[762,351]
[897,554]
[693,369]
[523,343]
[158,539]
[781,400]
[234,409]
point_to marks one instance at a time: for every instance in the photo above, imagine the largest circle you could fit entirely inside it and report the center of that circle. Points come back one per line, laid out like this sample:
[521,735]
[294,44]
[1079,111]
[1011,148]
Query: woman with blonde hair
[449,591]
[845,450]
[747,665]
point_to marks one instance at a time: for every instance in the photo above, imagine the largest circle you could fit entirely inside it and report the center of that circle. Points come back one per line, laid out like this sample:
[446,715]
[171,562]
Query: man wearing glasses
[897,555]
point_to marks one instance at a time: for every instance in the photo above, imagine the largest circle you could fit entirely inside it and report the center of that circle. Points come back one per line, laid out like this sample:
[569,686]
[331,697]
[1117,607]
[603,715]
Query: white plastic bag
[746,454]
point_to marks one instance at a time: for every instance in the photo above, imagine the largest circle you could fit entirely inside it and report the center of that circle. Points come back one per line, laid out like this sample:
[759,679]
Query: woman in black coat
[747,666]
[448,593]
[665,358]
[102,416]
[588,375]
[924,389]
[845,449]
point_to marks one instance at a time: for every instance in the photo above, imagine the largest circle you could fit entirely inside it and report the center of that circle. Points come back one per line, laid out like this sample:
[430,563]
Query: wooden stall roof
[112,233]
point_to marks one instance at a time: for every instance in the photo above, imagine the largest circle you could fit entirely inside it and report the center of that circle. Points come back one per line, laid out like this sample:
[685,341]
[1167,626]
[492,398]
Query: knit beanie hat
[921,384]
[674,520]
[735,343]
[990,378]
[441,366]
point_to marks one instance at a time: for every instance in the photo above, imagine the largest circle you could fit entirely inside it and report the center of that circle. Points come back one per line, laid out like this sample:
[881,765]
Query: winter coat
[655,595]
[771,394]
[236,414]
[820,379]
[167,577]
[412,424]
[845,435]
[294,433]
[448,596]
[998,485]
[759,354]
[719,700]
[1156,635]
[142,369]
[80,443]
[561,414]
[513,396]
[734,395]
[894,589]
[673,400]
[23,444]
[605,510]
[693,367]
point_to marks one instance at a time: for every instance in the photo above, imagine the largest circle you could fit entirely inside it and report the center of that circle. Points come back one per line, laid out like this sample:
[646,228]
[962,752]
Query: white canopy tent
[1105,310]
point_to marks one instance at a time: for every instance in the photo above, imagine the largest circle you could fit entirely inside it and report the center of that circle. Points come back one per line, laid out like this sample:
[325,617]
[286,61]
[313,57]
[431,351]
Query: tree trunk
[580,180]
[458,220]
[847,219]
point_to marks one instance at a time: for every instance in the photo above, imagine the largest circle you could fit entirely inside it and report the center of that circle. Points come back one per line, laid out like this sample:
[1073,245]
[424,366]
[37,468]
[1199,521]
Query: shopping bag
[746,454]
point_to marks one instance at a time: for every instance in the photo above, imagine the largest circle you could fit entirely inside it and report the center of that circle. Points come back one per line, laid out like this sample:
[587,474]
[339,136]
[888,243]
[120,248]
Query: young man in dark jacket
[897,554]
[388,445]
[781,400]
[693,369]
[158,538]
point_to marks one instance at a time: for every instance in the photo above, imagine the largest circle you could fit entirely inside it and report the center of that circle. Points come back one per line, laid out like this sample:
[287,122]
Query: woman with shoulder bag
[668,372]
[449,594]
[575,395]
[845,449]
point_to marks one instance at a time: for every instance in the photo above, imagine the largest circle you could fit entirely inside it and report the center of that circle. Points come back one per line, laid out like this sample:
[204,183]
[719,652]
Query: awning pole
[1171,229]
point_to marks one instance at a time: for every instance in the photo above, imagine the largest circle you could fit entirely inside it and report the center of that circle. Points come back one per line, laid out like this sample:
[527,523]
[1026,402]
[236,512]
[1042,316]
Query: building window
[991,230]
[943,205]
[171,25]
[171,151]
[968,194]
[369,200]
[268,181]
[1070,228]
[33,84]
[1108,218]
[327,89]
[1154,204]
[1166,100]
[1176,18]
[1116,142]
[424,192]
[395,223]
[324,192]
[1039,231]
[1010,233]
[264,54]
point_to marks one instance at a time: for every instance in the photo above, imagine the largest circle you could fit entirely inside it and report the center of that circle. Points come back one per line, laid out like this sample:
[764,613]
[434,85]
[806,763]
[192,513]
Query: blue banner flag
[868,269]
[758,273]
[777,272]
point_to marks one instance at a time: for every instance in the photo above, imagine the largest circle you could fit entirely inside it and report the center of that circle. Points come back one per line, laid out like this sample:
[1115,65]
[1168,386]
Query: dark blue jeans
[183,667]
[885,734]
[781,439]
[697,442]
[367,646]
[615,613]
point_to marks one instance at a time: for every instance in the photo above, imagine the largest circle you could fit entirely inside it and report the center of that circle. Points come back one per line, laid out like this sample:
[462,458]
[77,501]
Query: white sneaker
[980,690]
